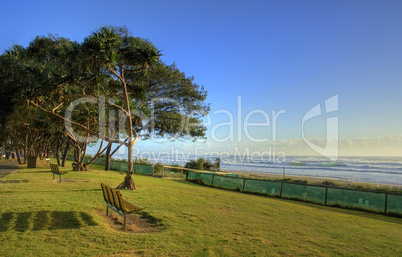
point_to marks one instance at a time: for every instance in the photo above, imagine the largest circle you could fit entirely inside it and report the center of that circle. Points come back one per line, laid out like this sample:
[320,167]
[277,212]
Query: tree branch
[78,125]
[57,107]
[115,73]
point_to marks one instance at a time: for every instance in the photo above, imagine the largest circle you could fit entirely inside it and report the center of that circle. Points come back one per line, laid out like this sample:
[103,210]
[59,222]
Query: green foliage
[158,168]
[200,164]
[153,99]
[193,164]
[329,183]
[143,161]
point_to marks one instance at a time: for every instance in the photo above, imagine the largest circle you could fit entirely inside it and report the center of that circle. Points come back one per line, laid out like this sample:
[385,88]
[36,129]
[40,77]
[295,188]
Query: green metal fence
[265,187]
[394,204]
[143,169]
[120,165]
[231,183]
[315,194]
[207,179]
[388,203]
[357,199]
[346,198]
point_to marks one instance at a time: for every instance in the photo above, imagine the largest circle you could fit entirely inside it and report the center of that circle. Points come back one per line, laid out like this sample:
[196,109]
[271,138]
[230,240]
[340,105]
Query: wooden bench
[115,201]
[55,170]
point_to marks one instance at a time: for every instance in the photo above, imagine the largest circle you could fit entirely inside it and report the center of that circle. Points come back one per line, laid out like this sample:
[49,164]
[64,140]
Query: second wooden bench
[55,170]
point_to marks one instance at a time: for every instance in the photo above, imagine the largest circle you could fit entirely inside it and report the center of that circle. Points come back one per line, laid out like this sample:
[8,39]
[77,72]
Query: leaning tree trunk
[58,158]
[26,148]
[17,152]
[64,157]
[78,159]
[57,152]
[108,157]
[128,182]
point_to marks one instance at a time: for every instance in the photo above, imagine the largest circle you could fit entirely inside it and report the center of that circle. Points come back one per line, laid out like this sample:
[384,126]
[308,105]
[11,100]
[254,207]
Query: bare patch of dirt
[174,178]
[135,223]
[63,180]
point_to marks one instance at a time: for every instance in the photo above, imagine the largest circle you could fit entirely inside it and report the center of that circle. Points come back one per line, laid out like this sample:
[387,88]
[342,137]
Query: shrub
[201,164]
[143,161]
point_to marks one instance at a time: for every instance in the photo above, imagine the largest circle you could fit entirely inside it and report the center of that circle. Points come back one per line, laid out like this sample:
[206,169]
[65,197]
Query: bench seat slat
[131,207]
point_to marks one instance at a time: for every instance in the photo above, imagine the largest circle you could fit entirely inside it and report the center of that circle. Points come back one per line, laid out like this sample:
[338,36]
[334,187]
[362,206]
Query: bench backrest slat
[105,194]
[121,201]
[116,199]
[110,195]
[54,168]
[123,207]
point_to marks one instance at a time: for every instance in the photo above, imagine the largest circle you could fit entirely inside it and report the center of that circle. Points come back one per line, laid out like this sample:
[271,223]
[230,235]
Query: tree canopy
[112,86]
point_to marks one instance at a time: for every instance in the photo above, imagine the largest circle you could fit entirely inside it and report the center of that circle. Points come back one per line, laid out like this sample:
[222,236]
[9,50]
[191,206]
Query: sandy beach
[315,180]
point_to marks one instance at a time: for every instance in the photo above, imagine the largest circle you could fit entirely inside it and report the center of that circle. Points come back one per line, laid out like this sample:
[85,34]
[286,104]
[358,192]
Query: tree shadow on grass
[5,221]
[44,220]
[4,181]
[42,171]
[47,191]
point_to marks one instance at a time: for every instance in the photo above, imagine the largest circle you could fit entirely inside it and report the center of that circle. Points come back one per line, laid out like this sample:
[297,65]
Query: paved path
[6,167]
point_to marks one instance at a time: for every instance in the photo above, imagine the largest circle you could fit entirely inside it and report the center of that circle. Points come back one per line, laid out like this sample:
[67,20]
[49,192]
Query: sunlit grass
[41,217]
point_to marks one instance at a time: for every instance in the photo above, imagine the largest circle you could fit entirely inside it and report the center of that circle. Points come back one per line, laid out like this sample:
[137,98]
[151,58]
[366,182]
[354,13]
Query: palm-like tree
[122,57]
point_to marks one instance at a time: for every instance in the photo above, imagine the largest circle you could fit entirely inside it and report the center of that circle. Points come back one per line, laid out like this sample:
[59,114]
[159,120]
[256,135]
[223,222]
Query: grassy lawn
[40,217]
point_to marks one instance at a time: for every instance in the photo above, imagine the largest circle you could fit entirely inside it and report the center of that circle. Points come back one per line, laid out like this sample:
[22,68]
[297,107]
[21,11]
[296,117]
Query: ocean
[382,170]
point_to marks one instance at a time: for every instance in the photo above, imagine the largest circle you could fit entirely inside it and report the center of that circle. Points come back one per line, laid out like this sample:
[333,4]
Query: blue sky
[275,55]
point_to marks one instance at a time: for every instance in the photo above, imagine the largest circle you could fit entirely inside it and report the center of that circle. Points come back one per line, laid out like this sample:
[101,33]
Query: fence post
[326,193]
[280,193]
[213,178]
[244,184]
[386,203]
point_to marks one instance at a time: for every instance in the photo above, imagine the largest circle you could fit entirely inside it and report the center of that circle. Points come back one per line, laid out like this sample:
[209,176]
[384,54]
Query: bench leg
[124,221]
[53,175]
[60,178]
[107,210]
